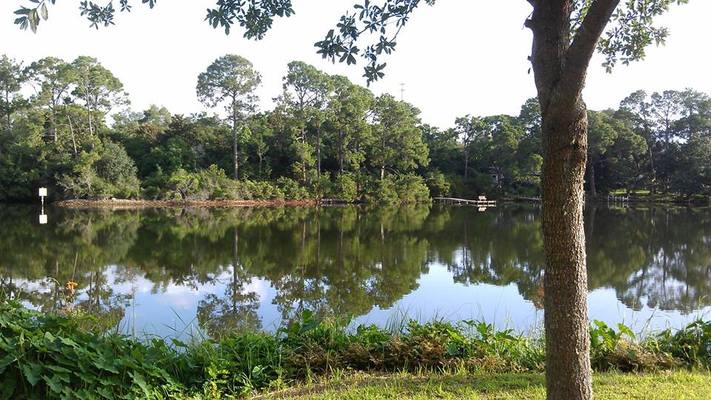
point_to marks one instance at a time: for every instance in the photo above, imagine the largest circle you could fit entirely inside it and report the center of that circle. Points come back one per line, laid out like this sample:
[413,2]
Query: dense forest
[68,126]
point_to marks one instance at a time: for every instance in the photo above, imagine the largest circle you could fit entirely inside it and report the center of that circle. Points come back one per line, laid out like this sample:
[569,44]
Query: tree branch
[581,50]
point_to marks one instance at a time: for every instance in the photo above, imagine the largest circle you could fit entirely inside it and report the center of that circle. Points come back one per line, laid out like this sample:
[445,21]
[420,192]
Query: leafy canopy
[231,79]
[370,30]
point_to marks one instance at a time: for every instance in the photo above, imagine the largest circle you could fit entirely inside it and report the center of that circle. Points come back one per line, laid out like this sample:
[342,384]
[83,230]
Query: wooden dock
[481,201]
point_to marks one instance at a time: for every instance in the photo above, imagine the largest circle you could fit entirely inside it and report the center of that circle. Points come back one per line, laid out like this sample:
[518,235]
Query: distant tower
[402,92]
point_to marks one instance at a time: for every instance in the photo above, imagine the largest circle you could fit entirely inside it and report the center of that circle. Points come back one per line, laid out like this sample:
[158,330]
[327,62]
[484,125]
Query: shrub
[412,189]
[292,189]
[322,186]
[215,185]
[45,356]
[107,173]
[263,190]
[438,184]
[345,188]
[183,185]
[691,344]
[381,191]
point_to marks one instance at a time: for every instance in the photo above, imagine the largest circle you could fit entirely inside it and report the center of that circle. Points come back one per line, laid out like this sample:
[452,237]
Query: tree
[445,151]
[566,33]
[261,134]
[468,129]
[11,80]
[695,114]
[637,109]
[54,79]
[530,150]
[397,140]
[348,111]
[231,79]
[601,136]
[624,161]
[305,96]
[98,88]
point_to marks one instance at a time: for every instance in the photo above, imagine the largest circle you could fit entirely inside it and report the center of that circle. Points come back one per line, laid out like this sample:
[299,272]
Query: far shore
[137,203]
[129,204]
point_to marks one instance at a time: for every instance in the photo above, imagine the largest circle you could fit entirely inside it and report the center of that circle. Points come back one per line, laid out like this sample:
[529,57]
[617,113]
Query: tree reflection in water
[337,261]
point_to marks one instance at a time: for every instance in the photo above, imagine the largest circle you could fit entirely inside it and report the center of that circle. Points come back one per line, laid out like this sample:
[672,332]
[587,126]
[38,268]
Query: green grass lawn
[608,386]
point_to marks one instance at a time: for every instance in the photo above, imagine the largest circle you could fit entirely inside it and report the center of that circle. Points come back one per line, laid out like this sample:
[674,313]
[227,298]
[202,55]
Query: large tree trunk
[565,281]
[235,149]
[71,131]
[560,64]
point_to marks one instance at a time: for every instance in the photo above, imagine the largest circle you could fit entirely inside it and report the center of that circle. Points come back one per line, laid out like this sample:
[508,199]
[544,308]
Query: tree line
[66,125]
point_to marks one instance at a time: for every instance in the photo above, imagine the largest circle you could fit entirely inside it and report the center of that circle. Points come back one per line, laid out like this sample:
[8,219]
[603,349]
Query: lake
[185,272]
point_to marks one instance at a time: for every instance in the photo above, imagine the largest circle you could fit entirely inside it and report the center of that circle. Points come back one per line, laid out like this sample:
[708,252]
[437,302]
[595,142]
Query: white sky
[458,57]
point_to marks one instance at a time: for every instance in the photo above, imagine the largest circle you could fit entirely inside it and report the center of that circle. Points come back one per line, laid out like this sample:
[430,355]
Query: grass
[607,386]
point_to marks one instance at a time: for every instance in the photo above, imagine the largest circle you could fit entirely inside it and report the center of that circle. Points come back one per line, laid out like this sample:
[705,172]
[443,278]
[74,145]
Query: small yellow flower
[71,285]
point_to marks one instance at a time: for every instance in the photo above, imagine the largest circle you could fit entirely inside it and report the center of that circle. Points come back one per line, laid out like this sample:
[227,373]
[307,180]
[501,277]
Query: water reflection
[246,269]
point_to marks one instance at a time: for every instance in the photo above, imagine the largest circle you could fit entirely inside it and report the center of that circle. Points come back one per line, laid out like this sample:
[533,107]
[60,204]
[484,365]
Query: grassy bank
[69,356]
[675,385]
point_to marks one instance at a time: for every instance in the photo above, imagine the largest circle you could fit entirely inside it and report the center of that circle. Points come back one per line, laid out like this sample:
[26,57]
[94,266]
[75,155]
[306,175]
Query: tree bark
[560,67]
[565,281]
[235,138]
[71,130]
[235,149]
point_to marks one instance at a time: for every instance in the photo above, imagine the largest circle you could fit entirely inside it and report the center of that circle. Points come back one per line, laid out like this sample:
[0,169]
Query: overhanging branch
[578,56]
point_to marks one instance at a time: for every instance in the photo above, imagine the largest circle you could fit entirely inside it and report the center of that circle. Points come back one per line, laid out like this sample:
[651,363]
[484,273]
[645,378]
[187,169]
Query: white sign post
[43,216]
[42,194]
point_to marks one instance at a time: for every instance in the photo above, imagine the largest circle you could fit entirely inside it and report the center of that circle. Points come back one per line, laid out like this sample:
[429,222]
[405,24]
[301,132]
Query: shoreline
[119,204]
[135,204]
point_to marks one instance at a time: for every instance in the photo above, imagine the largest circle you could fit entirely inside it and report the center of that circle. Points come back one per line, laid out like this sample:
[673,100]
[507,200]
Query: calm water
[178,272]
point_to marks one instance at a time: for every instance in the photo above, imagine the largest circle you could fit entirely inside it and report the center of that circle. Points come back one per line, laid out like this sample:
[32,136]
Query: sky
[456,58]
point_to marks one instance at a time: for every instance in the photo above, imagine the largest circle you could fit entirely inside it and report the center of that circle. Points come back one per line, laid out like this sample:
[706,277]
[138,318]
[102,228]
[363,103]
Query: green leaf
[54,383]
[141,382]
[43,11]
[626,330]
[5,361]
[33,17]
[68,342]
[8,387]
[32,372]
[106,365]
